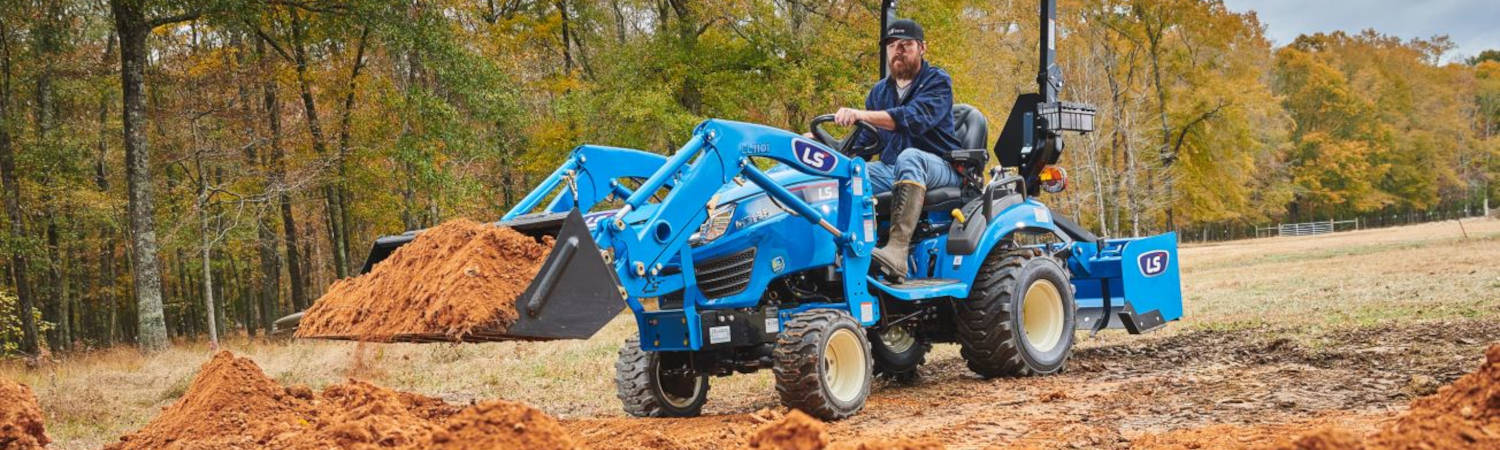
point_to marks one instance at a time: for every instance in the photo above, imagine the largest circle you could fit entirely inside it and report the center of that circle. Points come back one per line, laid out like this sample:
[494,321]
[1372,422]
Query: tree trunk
[1164,156]
[205,250]
[567,40]
[112,305]
[278,181]
[101,180]
[270,273]
[56,310]
[8,178]
[331,199]
[346,123]
[131,24]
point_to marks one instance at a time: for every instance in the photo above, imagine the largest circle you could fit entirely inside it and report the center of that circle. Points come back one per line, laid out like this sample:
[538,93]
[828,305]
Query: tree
[133,27]
[19,265]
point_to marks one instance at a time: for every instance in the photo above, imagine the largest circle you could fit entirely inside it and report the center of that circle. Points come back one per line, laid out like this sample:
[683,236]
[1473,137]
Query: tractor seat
[943,198]
[969,126]
[972,131]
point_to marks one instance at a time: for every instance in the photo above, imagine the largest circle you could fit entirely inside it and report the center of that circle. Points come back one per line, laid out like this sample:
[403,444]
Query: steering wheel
[849,145]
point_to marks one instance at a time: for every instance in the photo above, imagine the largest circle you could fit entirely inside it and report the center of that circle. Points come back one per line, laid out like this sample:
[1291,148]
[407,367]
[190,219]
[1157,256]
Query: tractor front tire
[822,364]
[658,384]
[1019,317]
[898,353]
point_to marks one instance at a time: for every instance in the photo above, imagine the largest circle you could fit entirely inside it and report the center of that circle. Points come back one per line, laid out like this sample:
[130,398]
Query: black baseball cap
[902,29]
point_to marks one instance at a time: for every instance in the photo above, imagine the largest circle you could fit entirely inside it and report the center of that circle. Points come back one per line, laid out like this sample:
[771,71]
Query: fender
[1029,216]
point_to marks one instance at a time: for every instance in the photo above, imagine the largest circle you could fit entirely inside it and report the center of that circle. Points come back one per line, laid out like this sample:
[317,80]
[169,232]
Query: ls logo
[813,157]
[1153,263]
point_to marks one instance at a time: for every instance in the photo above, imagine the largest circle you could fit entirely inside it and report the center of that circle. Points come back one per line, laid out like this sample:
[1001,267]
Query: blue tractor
[749,249]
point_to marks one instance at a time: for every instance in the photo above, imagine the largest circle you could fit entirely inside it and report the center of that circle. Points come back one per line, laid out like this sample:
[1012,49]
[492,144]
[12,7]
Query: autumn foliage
[285,136]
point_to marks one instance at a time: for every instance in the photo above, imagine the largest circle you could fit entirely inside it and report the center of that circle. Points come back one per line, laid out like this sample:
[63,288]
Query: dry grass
[1397,274]
[1416,272]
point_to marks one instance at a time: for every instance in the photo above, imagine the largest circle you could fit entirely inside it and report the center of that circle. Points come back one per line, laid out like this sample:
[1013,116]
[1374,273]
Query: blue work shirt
[924,120]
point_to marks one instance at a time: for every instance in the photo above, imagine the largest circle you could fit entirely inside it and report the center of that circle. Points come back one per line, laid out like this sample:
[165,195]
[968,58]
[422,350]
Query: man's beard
[908,68]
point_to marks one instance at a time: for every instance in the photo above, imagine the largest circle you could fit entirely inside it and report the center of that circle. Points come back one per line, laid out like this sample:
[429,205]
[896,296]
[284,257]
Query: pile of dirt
[358,414]
[798,431]
[20,417]
[1464,414]
[451,279]
[502,424]
[231,404]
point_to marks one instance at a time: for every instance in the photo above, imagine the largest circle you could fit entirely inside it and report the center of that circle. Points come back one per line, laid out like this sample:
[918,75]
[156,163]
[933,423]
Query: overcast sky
[1474,25]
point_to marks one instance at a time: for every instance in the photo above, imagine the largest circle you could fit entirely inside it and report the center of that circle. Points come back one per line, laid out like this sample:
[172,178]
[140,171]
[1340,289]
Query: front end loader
[749,249]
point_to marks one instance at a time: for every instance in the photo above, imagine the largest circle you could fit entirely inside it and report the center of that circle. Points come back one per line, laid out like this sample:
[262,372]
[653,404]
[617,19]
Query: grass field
[1328,296]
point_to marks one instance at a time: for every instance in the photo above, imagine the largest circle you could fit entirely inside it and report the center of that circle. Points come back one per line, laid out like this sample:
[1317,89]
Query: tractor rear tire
[646,391]
[1019,317]
[823,365]
[898,354]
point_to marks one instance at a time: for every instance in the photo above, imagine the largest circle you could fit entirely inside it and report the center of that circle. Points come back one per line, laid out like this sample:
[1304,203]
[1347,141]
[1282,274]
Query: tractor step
[922,288]
[917,283]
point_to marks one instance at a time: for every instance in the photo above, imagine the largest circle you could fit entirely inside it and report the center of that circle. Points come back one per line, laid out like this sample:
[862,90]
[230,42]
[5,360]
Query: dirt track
[1280,337]
[1259,385]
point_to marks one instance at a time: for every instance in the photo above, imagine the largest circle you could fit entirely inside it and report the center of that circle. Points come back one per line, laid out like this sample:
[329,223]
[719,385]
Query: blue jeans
[914,166]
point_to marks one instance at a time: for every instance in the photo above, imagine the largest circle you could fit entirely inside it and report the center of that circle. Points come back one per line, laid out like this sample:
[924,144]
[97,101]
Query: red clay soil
[20,417]
[502,424]
[230,404]
[453,278]
[1464,414]
[799,431]
[1341,427]
[233,405]
[794,432]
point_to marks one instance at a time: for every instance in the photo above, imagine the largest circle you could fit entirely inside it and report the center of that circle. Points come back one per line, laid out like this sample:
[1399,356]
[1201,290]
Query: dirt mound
[795,431]
[232,404]
[453,278]
[798,431]
[1464,414]
[891,444]
[1327,439]
[501,424]
[359,414]
[20,417]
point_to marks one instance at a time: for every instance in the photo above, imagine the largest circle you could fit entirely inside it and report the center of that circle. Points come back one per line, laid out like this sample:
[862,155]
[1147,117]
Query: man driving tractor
[913,109]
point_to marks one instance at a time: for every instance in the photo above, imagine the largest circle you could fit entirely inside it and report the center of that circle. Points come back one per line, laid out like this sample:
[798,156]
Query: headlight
[717,223]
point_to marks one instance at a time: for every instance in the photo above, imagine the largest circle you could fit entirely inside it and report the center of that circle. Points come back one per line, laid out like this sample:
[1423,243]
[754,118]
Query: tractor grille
[725,276]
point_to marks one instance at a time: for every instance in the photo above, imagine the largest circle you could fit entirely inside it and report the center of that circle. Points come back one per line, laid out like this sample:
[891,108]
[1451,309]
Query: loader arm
[638,240]
[592,174]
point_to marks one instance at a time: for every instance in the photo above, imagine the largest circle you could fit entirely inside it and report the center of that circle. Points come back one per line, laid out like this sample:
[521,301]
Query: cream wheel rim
[844,365]
[897,339]
[1042,315]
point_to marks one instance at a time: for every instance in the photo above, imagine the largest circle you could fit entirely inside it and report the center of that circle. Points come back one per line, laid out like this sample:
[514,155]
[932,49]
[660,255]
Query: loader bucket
[573,295]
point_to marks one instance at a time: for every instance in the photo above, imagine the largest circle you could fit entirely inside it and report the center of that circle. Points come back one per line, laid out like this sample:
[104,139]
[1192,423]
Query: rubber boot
[906,208]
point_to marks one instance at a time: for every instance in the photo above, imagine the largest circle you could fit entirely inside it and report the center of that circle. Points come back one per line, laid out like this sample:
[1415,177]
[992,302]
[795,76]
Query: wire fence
[1227,232]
